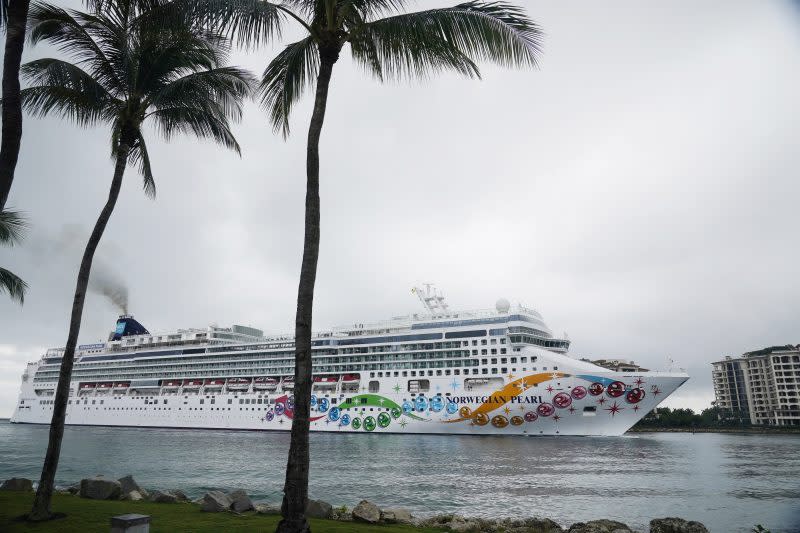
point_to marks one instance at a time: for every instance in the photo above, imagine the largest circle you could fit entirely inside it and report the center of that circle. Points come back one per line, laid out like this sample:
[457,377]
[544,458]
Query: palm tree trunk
[12,108]
[44,493]
[295,490]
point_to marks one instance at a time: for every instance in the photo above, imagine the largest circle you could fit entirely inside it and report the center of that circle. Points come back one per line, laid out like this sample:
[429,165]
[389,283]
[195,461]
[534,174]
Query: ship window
[438,372]
[363,401]
[241,401]
[203,401]
[374,386]
[447,372]
[521,359]
[555,368]
[483,342]
[494,371]
[544,368]
[484,370]
[590,410]
[494,360]
[474,343]
[457,372]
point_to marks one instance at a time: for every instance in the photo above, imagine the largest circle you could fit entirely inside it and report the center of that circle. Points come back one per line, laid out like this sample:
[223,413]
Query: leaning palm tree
[13,18]
[130,69]
[11,228]
[390,44]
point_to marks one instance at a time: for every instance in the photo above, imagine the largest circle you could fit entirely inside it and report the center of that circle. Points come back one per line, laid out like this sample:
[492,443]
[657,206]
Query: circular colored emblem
[562,400]
[279,408]
[530,416]
[635,395]
[616,389]
[596,389]
[322,405]
[270,415]
[369,423]
[290,403]
[334,413]
[384,420]
[407,407]
[421,404]
[313,400]
[516,421]
[437,404]
[396,412]
[579,392]
[481,419]
[499,421]
[345,419]
[545,409]
[465,412]
[356,423]
[451,408]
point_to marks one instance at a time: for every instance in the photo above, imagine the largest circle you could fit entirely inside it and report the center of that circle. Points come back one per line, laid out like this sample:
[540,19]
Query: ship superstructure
[498,371]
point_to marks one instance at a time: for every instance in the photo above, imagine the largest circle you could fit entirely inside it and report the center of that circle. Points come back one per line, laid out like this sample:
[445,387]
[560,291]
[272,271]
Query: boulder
[17,484]
[676,525]
[240,501]
[599,526]
[263,508]
[367,512]
[134,496]
[318,509]
[215,502]
[538,525]
[99,488]
[396,516]
[180,495]
[74,489]
[128,484]
[162,497]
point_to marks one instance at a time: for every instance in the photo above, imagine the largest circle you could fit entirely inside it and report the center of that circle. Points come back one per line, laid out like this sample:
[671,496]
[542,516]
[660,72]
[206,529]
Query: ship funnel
[127,326]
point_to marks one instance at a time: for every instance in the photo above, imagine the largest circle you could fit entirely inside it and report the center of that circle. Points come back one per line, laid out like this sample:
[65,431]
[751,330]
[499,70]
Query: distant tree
[157,66]
[11,228]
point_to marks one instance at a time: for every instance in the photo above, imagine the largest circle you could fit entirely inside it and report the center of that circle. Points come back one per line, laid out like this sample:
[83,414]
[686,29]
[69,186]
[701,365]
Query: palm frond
[478,30]
[13,285]
[12,227]
[203,121]
[139,156]
[64,88]
[285,79]
[248,22]
[3,13]
[227,86]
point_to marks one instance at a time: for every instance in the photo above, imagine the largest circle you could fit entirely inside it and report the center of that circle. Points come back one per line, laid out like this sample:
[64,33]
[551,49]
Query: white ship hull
[523,409]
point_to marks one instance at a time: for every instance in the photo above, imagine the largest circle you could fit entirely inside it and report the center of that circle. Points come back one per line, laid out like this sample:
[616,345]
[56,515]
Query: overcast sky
[640,190]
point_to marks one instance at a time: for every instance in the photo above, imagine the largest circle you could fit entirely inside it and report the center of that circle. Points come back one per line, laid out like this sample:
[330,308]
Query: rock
[128,484]
[17,484]
[367,512]
[263,508]
[240,501]
[74,489]
[676,525]
[134,496]
[179,495]
[99,488]
[599,526]
[215,502]
[162,497]
[540,525]
[318,509]
[396,516]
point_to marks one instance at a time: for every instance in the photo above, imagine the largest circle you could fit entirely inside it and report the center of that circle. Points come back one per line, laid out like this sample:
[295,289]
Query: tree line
[711,417]
[128,63]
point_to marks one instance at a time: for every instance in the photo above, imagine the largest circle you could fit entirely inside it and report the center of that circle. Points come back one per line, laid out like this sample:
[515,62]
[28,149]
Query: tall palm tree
[130,68]
[11,227]
[390,44]
[13,16]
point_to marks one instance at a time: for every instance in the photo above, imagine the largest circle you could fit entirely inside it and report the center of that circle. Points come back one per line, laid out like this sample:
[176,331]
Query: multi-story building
[763,385]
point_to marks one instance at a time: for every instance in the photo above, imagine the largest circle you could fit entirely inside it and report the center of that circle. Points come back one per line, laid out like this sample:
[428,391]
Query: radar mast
[431,298]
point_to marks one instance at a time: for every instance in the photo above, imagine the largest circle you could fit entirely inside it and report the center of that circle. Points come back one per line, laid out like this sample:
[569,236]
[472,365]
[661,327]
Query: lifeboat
[265,383]
[192,384]
[122,384]
[238,384]
[214,383]
[88,385]
[172,384]
[351,377]
[326,379]
[288,383]
[105,385]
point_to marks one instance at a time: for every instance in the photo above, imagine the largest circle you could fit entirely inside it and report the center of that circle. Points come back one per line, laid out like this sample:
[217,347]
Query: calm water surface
[728,482]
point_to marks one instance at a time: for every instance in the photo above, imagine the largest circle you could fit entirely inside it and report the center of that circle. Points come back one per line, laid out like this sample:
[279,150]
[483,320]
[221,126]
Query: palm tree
[11,227]
[391,45]
[14,16]
[129,70]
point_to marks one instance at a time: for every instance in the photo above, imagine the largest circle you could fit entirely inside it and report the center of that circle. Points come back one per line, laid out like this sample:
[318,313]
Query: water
[728,482]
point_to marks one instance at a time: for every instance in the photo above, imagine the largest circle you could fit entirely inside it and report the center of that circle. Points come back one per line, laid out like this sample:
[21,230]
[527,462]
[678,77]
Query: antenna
[431,298]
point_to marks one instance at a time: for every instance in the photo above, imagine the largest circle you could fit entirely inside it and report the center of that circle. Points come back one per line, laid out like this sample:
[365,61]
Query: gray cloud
[640,189]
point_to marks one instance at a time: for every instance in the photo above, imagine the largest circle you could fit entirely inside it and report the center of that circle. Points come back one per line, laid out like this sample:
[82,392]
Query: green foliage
[91,515]
[712,417]
[135,61]
[12,227]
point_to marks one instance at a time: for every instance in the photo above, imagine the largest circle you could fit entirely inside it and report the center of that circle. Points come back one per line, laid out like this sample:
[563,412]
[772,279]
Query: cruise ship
[499,371]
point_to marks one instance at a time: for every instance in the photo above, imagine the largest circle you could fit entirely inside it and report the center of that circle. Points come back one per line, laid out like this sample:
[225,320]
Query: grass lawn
[91,515]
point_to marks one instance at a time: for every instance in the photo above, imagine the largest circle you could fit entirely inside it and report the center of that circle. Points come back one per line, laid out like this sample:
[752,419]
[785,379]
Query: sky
[639,189]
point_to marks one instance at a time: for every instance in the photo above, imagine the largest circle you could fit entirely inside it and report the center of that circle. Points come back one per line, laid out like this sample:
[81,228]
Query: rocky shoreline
[238,502]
